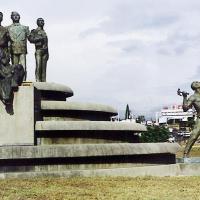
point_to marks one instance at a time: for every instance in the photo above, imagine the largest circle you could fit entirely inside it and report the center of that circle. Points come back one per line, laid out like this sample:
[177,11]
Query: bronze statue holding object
[192,101]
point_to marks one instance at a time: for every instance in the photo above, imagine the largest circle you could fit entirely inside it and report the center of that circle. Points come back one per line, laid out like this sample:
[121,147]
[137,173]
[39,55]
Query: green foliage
[140,118]
[155,134]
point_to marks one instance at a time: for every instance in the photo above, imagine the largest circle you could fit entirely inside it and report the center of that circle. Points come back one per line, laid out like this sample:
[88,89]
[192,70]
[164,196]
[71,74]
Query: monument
[192,101]
[49,136]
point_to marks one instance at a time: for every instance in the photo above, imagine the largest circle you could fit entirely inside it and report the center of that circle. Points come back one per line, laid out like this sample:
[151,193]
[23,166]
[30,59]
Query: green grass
[166,188]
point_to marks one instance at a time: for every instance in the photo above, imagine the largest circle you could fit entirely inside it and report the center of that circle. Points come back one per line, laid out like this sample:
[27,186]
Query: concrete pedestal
[17,120]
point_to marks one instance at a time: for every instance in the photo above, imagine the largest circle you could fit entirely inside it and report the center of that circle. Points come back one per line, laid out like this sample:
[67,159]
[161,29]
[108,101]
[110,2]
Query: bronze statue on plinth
[18,41]
[192,101]
[39,37]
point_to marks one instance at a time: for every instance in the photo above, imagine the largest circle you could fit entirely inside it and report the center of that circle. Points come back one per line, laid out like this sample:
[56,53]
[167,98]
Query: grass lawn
[195,151]
[170,188]
[119,188]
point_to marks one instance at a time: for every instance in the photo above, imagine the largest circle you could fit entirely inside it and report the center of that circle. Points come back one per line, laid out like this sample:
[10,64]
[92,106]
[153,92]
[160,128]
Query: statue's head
[1,16]
[195,85]
[15,16]
[40,22]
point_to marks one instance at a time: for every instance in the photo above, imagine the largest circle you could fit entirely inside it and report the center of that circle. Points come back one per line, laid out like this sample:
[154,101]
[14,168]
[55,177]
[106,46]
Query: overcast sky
[116,52]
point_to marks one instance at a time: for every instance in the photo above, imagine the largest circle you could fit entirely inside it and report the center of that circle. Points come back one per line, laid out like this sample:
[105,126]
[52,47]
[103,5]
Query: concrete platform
[89,126]
[51,91]
[156,170]
[159,170]
[85,132]
[86,150]
[59,110]
[84,157]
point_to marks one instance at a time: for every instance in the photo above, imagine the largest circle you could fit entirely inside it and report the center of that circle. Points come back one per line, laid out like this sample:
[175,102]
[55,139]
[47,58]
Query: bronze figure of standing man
[39,37]
[18,41]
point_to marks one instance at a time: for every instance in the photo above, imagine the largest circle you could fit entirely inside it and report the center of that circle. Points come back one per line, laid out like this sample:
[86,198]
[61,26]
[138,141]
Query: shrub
[155,134]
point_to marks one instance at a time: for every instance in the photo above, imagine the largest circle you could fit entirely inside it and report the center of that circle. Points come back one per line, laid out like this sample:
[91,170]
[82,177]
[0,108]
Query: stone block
[17,122]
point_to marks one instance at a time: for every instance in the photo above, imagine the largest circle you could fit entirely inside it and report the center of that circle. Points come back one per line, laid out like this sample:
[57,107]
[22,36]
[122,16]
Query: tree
[140,118]
[155,134]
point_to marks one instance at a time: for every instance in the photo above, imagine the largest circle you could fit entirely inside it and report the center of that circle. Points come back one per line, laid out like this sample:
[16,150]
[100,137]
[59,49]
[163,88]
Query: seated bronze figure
[11,76]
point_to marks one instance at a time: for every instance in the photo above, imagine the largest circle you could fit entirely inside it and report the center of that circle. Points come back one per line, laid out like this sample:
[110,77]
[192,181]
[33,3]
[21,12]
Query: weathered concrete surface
[51,91]
[47,86]
[157,170]
[190,169]
[72,111]
[88,125]
[17,128]
[59,105]
[54,88]
[86,150]
[154,170]
[81,139]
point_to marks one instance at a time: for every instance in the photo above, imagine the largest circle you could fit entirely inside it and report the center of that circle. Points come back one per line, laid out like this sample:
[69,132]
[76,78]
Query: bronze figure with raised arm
[192,101]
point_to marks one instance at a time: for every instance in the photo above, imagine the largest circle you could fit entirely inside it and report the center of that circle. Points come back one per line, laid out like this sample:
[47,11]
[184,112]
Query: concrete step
[60,158]
[51,91]
[154,170]
[86,150]
[59,110]
[88,126]
[85,132]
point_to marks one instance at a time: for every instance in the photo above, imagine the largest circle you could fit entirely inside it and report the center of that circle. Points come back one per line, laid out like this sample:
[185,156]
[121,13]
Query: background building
[176,119]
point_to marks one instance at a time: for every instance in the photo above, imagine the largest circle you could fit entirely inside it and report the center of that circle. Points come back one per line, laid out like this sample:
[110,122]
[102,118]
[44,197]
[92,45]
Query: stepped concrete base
[17,121]
[90,156]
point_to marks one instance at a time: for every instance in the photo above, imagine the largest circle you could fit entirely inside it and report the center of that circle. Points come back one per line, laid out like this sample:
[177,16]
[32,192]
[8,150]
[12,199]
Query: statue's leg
[45,58]
[193,137]
[38,72]
[22,61]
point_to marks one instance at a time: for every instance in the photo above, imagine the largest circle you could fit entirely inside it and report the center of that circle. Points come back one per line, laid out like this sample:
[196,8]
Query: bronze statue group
[13,46]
